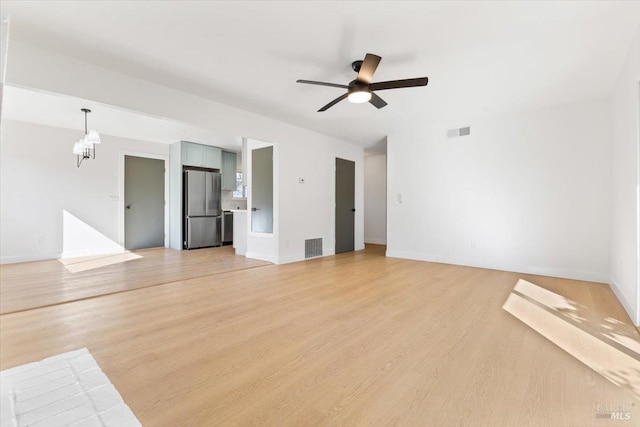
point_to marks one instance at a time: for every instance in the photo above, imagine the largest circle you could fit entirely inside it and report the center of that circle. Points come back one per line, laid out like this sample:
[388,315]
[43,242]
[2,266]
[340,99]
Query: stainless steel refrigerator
[202,212]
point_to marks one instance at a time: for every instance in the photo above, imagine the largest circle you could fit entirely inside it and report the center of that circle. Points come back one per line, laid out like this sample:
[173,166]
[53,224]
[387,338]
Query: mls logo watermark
[614,411]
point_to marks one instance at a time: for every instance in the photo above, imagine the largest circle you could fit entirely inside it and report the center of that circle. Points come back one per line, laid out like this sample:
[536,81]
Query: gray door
[345,205]
[262,190]
[144,202]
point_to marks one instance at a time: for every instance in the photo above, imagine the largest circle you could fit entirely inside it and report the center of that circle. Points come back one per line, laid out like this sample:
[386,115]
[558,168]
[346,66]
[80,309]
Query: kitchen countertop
[238,210]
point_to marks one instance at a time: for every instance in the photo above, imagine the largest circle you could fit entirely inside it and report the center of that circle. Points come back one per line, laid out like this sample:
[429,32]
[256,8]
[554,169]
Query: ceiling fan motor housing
[358,86]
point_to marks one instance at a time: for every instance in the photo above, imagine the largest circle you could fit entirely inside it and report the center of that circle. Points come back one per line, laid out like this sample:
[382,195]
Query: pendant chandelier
[85,148]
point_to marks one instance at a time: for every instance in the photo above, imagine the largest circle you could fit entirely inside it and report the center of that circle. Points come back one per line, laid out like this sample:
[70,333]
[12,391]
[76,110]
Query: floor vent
[313,247]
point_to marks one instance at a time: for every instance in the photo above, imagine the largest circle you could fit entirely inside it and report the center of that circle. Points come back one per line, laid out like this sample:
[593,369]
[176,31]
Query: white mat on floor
[69,389]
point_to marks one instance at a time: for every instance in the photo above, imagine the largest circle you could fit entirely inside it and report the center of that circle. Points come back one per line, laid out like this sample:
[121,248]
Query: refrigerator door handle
[213,194]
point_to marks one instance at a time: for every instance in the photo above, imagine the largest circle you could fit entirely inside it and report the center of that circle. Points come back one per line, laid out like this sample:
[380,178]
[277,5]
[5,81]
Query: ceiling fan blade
[377,101]
[334,102]
[397,84]
[311,82]
[368,67]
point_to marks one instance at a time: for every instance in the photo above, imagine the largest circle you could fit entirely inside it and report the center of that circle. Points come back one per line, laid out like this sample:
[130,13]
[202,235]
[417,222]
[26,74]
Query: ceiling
[480,57]
[52,109]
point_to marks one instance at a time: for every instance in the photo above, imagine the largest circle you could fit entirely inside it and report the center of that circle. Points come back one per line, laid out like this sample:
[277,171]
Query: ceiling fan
[361,89]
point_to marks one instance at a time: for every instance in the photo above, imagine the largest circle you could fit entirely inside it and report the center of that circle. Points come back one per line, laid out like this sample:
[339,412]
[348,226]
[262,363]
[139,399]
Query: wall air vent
[313,248]
[456,132]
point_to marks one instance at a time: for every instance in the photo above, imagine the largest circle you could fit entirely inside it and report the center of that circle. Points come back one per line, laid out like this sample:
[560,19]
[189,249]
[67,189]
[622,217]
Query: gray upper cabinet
[229,167]
[203,156]
[212,157]
[191,154]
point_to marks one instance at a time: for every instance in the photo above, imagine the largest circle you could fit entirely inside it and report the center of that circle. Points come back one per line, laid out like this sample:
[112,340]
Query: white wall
[307,211]
[526,192]
[229,203]
[39,181]
[375,199]
[301,152]
[624,201]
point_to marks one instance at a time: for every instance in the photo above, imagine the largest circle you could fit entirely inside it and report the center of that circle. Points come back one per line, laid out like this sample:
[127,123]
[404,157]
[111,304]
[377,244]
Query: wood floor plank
[37,284]
[353,339]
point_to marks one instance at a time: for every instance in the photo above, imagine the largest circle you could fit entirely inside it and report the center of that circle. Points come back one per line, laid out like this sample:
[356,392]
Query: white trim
[252,236]
[589,276]
[292,258]
[121,156]
[257,145]
[262,257]
[93,252]
[29,258]
[625,304]
[300,257]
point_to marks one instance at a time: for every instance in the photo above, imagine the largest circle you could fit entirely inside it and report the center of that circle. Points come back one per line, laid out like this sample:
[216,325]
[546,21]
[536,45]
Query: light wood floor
[38,284]
[354,339]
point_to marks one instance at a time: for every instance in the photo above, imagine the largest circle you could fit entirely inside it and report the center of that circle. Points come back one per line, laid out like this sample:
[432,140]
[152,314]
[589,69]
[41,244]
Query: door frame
[121,156]
[256,144]
[262,246]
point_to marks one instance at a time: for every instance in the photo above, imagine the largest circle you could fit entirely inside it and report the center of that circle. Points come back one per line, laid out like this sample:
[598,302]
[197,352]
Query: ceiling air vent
[456,132]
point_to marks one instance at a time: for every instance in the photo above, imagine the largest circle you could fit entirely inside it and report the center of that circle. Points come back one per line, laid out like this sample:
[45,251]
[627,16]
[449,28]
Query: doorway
[144,202]
[262,188]
[345,205]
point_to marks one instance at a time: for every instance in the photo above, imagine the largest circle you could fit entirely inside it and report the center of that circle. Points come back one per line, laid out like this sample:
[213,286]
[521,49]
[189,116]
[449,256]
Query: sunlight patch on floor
[76,265]
[606,345]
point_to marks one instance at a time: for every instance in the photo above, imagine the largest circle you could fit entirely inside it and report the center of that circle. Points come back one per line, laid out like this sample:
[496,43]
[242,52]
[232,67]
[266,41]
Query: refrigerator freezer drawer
[203,231]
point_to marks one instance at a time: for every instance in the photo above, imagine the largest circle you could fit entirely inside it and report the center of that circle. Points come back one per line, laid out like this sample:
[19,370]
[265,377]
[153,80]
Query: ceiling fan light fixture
[359,96]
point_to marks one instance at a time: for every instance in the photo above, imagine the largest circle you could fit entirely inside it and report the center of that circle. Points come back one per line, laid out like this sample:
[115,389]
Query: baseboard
[290,258]
[58,255]
[376,241]
[633,314]
[588,276]
[262,257]
[28,258]
[92,252]
[300,257]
